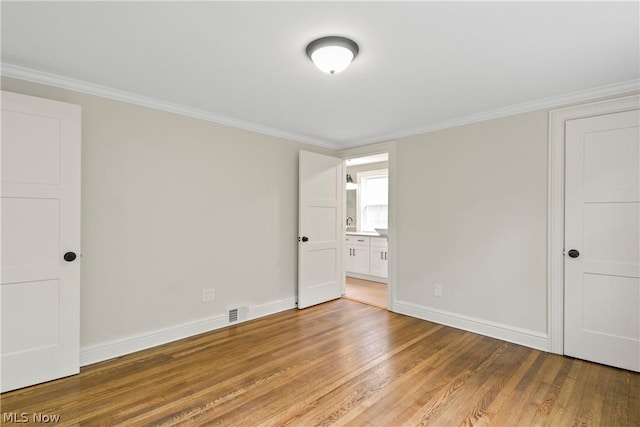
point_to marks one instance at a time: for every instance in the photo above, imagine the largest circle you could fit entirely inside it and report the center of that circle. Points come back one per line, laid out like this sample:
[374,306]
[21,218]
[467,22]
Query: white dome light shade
[332,54]
[332,59]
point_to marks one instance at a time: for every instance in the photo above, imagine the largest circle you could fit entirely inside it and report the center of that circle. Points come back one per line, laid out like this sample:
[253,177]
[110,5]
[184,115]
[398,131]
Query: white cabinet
[378,257]
[357,254]
[366,257]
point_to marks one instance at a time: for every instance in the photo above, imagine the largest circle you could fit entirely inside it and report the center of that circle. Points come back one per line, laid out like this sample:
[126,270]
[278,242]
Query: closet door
[602,239]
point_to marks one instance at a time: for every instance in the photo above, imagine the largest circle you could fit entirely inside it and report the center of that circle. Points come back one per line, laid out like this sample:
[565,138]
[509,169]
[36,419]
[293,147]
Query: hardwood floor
[367,292]
[339,363]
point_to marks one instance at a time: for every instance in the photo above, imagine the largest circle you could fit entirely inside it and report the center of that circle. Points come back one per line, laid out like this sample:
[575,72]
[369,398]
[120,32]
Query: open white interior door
[602,239]
[320,229]
[40,288]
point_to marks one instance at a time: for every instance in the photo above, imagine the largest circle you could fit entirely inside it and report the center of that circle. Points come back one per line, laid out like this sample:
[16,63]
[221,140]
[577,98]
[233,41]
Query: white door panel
[602,222]
[320,229]
[612,232]
[32,326]
[610,305]
[32,144]
[39,291]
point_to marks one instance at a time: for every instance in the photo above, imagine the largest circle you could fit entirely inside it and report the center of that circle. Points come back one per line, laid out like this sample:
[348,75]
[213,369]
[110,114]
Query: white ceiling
[422,65]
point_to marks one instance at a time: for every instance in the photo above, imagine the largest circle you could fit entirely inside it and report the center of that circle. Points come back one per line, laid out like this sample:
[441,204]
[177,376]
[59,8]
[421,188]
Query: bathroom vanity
[366,256]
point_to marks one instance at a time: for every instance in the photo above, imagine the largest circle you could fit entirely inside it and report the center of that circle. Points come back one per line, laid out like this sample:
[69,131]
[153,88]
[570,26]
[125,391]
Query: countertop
[364,233]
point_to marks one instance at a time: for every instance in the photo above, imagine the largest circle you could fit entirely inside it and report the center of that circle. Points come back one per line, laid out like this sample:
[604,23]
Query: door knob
[305,239]
[69,256]
[574,253]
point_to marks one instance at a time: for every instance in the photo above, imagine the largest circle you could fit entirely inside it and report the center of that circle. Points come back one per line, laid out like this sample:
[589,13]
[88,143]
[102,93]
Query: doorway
[366,222]
[366,291]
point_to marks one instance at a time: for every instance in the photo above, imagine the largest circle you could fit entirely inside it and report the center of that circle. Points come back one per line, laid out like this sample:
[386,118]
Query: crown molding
[551,102]
[50,79]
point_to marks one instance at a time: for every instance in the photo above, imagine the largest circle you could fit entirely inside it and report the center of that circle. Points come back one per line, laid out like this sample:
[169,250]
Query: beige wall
[471,216]
[172,205]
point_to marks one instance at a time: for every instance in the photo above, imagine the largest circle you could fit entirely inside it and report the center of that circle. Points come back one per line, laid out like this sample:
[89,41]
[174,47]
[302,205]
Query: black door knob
[574,253]
[69,256]
[305,239]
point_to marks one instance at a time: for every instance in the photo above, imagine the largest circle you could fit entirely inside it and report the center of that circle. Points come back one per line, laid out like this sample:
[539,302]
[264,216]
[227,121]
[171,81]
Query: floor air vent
[237,314]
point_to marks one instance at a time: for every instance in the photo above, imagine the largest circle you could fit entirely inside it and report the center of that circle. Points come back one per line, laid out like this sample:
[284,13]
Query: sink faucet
[349,221]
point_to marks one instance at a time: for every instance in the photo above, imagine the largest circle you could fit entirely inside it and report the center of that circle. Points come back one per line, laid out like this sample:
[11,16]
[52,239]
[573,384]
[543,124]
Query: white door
[320,229]
[39,292]
[602,239]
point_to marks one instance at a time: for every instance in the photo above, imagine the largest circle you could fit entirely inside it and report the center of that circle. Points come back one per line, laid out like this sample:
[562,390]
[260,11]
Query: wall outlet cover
[437,290]
[208,295]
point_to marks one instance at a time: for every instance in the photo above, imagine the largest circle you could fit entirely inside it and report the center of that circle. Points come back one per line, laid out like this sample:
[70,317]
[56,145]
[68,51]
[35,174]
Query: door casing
[555,203]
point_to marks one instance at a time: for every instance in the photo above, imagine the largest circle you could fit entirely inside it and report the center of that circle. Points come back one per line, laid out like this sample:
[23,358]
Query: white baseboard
[109,350]
[527,338]
[119,347]
[273,307]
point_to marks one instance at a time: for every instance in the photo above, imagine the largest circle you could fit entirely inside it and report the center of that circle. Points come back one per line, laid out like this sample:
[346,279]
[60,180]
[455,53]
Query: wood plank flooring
[339,363]
[367,292]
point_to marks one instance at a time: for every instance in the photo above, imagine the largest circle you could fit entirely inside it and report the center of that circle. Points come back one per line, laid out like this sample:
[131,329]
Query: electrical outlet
[208,295]
[437,290]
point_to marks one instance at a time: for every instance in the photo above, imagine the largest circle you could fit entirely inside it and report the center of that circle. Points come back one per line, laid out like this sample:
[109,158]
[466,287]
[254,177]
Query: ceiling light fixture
[332,54]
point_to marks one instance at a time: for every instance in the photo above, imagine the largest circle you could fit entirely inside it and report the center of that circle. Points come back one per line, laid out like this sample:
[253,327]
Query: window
[374,199]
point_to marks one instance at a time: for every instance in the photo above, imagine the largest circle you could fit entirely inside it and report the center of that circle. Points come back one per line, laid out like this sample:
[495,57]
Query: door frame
[555,206]
[368,150]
